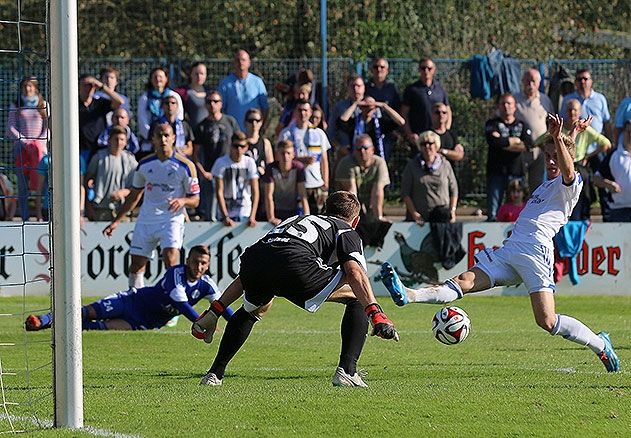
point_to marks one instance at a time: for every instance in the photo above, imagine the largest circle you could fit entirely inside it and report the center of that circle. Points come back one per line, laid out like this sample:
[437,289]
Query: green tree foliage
[394,28]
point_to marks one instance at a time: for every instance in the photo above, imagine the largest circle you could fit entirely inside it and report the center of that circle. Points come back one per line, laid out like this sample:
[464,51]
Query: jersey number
[305,228]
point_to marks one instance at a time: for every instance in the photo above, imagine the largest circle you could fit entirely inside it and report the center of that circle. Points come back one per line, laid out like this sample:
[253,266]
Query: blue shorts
[122,306]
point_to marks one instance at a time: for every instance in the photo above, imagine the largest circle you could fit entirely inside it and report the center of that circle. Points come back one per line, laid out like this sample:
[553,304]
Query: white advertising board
[603,264]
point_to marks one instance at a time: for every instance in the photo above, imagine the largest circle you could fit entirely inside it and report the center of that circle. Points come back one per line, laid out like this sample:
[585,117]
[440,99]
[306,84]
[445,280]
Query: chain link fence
[611,77]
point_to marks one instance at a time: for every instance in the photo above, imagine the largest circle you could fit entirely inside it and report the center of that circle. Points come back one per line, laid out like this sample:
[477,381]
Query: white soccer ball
[451,325]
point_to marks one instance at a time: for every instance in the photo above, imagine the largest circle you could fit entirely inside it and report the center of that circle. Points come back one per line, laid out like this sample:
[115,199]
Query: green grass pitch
[509,378]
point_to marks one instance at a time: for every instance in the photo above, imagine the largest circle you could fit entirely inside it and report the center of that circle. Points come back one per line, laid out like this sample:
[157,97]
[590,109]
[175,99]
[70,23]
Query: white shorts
[518,262]
[146,237]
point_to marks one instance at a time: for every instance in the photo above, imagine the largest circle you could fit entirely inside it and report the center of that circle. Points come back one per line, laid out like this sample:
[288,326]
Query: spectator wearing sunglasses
[213,137]
[364,174]
[236,184]
[450,146]
[593,103]
[428,186]
[418,99]
[379,87]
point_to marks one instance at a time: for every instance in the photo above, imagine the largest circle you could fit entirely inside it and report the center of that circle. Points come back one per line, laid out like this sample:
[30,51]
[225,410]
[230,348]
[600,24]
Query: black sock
[354,329]
[237,331]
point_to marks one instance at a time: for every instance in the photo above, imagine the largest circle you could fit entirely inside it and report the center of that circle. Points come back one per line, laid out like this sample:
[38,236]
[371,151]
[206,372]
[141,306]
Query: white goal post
[65,215]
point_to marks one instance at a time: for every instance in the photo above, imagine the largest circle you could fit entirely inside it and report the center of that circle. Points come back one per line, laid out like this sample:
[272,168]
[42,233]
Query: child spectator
[284,181]
[110,175]
[515,202]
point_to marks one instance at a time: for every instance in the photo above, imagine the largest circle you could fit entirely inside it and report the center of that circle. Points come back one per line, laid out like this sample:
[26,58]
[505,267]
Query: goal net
[37,44]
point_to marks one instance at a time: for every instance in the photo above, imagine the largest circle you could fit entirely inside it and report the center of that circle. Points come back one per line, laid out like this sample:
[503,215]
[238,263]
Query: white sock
[441,294]
[574,330]
[137,279]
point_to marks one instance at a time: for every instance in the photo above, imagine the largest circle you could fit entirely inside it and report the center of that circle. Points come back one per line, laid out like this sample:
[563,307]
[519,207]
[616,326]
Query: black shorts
[302,278]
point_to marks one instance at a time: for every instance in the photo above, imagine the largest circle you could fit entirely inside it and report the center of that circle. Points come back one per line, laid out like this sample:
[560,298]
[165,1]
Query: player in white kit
[527,255]
[169,183]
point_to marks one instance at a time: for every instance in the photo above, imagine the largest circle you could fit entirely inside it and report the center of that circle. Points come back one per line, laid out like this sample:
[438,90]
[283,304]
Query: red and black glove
[205,325]
[381,325]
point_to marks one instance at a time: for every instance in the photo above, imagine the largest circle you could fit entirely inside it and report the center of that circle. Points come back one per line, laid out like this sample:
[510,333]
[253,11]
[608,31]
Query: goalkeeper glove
[381,325]
[204,326]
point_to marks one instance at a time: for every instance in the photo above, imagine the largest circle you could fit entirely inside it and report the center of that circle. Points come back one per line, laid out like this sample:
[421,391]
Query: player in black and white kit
[308,260]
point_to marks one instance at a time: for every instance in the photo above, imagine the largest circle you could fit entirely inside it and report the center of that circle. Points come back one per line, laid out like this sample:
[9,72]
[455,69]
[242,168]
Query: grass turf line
[509,378]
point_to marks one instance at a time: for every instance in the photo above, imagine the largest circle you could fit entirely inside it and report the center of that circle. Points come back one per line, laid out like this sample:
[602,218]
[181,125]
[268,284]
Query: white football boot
[342,378]
[210,379]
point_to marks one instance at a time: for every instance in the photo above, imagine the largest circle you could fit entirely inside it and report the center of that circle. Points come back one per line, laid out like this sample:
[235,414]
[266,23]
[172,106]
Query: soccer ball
[451,325]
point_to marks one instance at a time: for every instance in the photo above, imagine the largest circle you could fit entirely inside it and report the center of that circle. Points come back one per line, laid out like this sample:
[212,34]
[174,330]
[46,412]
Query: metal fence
[612,78]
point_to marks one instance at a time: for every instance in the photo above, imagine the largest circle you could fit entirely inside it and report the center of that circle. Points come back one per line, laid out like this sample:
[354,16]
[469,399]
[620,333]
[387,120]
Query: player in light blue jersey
[180,288]
[527,255]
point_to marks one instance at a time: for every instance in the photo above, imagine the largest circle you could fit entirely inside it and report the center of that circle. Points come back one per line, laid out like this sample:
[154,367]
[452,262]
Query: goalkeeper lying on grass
[152,307]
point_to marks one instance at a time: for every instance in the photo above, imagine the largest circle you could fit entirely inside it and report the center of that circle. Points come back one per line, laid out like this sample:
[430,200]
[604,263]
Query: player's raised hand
[555,125]
[381,325]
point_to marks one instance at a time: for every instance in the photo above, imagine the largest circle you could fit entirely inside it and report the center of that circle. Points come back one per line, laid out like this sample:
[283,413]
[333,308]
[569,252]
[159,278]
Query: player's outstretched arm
[360,285]
[130,203]
[564,159]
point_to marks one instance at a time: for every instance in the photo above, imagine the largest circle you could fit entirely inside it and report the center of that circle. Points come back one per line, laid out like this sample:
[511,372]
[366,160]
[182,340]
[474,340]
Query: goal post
[65,215]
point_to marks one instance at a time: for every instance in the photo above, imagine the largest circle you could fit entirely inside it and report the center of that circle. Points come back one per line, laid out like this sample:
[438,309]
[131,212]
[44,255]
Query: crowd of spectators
[248,172]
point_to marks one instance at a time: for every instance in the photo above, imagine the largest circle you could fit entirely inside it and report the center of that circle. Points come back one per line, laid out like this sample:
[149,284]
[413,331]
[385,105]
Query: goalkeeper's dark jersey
[300,256]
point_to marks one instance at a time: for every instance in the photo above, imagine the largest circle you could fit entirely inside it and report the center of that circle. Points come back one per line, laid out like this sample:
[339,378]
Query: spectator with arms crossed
[147,308]
[527,254]
[308,260]
[507,138]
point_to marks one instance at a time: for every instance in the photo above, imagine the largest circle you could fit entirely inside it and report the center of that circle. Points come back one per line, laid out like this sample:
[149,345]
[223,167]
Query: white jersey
[314,145]
[237,190]
[546,211]
[172,178]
